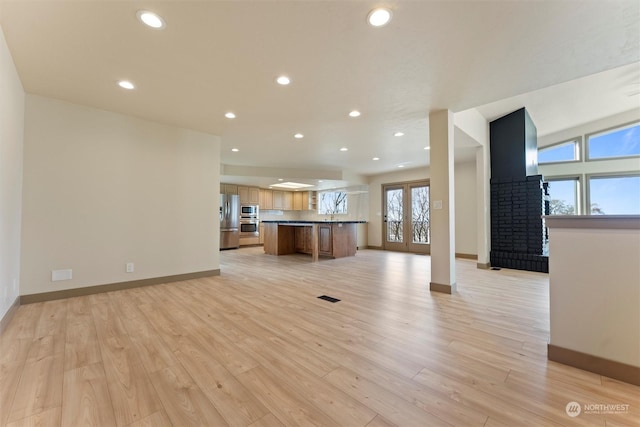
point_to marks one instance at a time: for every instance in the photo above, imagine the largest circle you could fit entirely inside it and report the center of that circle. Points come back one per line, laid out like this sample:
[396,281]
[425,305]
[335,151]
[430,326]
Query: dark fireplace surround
[518,233]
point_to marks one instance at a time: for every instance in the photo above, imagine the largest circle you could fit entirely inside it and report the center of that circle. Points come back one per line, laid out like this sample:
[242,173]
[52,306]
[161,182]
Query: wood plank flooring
[256,347]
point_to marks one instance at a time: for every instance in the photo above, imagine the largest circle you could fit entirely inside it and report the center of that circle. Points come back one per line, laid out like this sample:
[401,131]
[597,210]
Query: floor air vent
[328,298]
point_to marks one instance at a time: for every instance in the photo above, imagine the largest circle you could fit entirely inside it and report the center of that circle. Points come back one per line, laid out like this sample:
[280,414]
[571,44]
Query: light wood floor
[255,347]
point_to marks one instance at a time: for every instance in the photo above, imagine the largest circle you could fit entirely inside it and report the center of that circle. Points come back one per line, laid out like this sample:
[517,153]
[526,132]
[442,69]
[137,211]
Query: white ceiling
[216,56]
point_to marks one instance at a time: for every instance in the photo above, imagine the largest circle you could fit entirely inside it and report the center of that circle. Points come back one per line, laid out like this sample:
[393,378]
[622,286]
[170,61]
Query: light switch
[437,204]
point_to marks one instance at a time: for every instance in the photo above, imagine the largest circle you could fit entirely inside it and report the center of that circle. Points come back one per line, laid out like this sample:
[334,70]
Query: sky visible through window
[559,153]
[620,143]
[563,197]
[616,196]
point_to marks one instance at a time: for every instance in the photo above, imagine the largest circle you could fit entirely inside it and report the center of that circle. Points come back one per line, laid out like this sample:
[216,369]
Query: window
[564,152]
[614,195]
[332,203]
[619,142]
[563,194]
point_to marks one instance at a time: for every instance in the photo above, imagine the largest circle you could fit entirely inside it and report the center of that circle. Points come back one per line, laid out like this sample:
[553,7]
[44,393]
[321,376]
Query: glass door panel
[394,218]
[406,217]
[420,231]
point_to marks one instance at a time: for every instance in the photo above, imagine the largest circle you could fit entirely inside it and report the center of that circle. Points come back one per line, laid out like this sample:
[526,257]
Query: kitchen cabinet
[249,241]
[282,200]
[287,200]
[278,199]
[325,244]
[261,234]
[229,189]
[254,195]
[249,195]
[304,201]
[303,239]
[297,201]
[311,201]
[316,238]
[266,199]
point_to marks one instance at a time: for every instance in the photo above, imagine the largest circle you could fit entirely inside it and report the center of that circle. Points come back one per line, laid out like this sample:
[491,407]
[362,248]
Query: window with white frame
[619,142]
[564,195]
[568,151]
[614,194]
[332,203]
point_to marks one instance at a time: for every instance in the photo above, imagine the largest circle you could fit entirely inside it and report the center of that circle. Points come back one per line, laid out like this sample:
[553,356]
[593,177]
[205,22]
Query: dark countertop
[294,221]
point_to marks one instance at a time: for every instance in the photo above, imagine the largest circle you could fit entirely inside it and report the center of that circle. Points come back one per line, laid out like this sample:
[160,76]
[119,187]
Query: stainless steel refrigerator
[229,219]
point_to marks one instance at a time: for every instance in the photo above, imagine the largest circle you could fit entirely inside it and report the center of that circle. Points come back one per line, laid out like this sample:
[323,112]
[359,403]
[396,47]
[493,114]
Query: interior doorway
[406,221]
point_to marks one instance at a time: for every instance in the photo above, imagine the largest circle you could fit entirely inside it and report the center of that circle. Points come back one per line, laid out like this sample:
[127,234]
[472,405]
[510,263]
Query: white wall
[11,146]
[103,189]
[594,286]
[465,203]
[466,208]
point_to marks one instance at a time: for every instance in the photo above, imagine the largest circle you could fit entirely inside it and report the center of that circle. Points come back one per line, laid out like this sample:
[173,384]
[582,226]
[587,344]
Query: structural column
[483,174]
[442,215]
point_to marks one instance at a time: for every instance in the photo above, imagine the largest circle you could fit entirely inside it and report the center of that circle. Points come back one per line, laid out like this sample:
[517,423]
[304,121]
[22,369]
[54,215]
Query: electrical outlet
[57,275]
[129,267]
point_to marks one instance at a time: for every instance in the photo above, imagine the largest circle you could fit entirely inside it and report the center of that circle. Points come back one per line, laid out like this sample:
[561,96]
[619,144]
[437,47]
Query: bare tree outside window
[332,203]
[420,214]
[394,215]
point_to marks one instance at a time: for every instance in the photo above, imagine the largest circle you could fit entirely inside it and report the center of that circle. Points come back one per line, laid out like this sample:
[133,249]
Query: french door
[406,217]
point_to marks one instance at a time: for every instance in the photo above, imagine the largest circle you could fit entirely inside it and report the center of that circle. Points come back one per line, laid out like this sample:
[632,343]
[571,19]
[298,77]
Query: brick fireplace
[518,235]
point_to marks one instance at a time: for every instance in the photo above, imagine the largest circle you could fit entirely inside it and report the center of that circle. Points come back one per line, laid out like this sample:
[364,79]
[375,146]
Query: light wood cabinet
[243,192]
[261,234]
[278,199]
[282,200]
[254,195]
[287,200]
[297,201]
[229,189]
[266,199]
[312,201]
[249,195]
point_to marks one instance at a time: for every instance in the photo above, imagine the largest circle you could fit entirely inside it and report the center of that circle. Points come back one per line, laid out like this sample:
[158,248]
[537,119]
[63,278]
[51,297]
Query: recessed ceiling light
[235,150]
[427,148]
[379,17]
[291,185]
[298,136]
[283,80]
[280,179]
[398,134]
[230,115]
[354,113]
[126,84]
[320,180]
[400,166]
[150,19]
[344,149]
[376,158]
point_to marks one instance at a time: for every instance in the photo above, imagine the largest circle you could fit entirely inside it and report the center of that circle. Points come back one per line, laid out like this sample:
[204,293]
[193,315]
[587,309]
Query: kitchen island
[335,239]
